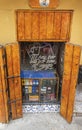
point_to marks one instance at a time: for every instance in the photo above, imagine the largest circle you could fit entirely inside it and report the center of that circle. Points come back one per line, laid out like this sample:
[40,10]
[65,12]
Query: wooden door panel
[73,83]
[19,108]
[16,59]
[12,50]
[4,112]
[17,83]
[66,79]
[69,83]
[64,96]
[12,94]
[17,80]
[5,84]
[10,81]
[2,108]
[43,25]
[67,71]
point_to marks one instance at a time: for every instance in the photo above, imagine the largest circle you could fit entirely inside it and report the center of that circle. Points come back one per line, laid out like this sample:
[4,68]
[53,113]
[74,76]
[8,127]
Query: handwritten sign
[39,56]
[42,57]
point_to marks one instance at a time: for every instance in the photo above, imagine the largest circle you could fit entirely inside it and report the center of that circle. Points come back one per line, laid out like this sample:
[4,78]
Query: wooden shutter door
[42,25]
[14,80]
[4,114]
[70,75]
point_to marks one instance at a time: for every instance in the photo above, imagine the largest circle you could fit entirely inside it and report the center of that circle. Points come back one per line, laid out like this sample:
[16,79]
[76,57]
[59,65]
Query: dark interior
[41,71]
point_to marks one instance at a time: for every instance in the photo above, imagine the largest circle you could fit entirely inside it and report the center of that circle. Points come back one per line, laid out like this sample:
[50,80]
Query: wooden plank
[35,25]
[3,93]
[17,80]
[65,25]
[66,78]
[28,25]
[16,59]
[10,81]
[5,85]
[19,108]
[20,26]
[2,107]
[74,76]
[49,22]
[57,25]
[42,25]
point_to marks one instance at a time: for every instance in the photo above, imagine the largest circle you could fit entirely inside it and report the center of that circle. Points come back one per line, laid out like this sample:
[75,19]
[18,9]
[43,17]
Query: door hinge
[14,101]
[11,77]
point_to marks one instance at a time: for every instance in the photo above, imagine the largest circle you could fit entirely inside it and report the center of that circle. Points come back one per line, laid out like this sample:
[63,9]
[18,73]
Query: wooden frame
[70,76]
[40,82]
[47,25]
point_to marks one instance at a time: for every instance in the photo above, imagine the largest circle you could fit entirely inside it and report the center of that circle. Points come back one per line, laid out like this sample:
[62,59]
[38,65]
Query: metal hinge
[10,77]
[14,101]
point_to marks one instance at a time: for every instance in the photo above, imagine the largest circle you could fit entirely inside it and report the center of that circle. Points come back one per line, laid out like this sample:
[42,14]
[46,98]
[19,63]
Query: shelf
[47,90]
[41,103]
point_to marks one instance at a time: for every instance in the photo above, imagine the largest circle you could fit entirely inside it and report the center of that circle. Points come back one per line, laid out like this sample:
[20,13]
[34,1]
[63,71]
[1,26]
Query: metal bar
[13,101]
[10,77]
